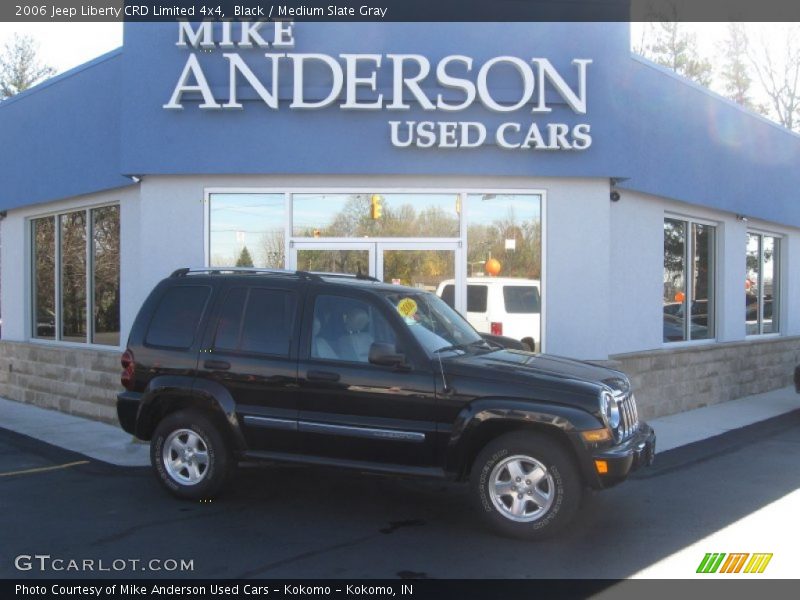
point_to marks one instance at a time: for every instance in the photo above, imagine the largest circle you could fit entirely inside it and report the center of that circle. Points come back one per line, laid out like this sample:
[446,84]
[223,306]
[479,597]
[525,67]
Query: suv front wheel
[190,455]
[526,485]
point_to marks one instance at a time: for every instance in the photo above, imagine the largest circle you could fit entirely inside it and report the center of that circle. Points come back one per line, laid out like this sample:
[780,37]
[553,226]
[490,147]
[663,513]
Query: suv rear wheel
[190,456]
[526,485]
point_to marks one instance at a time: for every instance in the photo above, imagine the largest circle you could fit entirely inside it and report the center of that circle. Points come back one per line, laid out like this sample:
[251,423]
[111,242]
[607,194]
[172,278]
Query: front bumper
[637,451]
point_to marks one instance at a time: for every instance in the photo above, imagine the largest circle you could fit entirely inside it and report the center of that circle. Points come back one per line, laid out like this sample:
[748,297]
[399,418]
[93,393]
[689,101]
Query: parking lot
[305,522]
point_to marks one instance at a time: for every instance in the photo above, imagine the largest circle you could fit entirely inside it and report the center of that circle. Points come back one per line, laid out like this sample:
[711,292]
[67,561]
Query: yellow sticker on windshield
[407,307]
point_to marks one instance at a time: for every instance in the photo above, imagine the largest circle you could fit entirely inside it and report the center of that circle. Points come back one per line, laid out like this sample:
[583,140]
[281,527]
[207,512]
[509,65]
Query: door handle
[322,376]
[217,365]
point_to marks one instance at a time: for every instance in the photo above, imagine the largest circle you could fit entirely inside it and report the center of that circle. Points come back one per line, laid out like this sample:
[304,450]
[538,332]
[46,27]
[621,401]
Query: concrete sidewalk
[110,444]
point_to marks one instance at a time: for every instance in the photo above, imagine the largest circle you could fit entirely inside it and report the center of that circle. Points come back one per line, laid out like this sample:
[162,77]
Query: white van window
[521,299]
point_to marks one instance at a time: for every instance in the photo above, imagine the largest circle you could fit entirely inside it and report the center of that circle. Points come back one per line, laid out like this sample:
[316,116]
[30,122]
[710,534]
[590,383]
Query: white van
[501,306]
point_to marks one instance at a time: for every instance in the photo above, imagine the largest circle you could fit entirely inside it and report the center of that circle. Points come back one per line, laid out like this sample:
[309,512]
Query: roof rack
[238,270]
[315,275]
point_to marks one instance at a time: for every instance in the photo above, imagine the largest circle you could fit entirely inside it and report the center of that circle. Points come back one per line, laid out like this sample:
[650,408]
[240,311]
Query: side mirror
[385,355]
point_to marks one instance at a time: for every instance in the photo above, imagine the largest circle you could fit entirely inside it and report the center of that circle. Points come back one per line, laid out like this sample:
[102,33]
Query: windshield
[434,324]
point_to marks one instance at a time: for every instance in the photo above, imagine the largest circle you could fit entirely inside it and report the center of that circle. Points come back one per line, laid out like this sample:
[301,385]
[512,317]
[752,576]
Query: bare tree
[20,67]
[777,65]
[735,72]
[672,46]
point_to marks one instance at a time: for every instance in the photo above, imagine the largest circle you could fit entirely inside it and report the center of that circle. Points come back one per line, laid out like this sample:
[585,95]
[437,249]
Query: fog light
[596,435]
[601,466]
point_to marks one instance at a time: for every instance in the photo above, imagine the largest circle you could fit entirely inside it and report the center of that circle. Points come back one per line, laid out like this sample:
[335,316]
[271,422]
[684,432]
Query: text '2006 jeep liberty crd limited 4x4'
[224,365]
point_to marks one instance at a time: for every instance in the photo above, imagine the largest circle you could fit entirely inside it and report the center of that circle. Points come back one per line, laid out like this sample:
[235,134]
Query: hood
[516,366]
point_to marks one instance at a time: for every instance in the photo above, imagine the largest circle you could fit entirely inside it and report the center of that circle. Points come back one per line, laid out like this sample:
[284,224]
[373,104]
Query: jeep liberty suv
[226,365]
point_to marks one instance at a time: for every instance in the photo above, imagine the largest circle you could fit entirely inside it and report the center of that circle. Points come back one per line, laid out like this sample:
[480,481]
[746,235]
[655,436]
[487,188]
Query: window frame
[777,275]
[688,253]
[30,275]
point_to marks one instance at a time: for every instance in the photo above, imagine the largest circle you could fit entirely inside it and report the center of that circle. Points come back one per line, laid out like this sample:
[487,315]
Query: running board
[359,465]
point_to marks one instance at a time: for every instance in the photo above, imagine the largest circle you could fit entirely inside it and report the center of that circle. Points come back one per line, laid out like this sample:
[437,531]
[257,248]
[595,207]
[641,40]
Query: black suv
[225,365]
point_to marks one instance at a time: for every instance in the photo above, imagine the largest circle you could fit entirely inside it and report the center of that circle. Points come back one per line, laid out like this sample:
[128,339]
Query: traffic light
[376,207]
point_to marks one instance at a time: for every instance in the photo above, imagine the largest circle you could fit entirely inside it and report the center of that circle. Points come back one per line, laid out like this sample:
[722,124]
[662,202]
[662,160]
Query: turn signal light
[596,435]
[601,466]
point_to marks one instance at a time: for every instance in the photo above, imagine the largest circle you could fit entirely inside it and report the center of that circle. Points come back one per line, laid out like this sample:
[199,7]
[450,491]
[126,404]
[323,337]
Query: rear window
[258,320]
[174,323]
[521,299]
[476,297]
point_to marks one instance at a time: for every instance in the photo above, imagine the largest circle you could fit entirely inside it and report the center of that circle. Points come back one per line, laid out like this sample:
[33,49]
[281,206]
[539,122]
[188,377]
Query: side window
[175,321]
[230,320]
[257,320]
[476,298]
[521,299]
[449,295]
[345,328]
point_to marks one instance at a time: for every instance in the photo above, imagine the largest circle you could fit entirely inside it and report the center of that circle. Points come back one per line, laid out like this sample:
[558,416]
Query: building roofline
[62,76]
[708,92]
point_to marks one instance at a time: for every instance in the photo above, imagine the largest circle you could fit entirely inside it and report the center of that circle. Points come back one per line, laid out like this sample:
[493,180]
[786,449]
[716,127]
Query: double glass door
[425,265]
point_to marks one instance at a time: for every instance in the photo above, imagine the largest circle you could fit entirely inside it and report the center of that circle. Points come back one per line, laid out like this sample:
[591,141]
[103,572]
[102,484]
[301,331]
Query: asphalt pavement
[306,522]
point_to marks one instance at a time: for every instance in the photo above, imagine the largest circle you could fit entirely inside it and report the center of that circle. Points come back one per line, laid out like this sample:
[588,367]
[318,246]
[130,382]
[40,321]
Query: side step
[358,465]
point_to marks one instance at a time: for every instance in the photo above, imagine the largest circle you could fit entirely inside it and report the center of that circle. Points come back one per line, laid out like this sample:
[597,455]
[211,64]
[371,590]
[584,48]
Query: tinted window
[268,321]
[175,320]
[476,298]
[230,320]
[521,299]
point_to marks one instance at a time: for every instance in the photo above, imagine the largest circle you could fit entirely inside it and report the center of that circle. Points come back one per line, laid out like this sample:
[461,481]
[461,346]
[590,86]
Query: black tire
[561,484]
[219,465]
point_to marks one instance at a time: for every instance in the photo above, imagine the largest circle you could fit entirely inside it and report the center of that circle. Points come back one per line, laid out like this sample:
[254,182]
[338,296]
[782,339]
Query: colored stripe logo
[737,562]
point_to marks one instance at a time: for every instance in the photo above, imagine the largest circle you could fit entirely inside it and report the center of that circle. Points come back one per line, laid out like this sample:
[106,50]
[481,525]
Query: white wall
[603,260]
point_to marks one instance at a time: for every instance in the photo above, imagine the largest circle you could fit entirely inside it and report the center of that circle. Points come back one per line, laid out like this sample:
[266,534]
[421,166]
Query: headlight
[609,409]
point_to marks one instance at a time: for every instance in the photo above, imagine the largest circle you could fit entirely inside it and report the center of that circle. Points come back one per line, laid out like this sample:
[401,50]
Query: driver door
[351,409]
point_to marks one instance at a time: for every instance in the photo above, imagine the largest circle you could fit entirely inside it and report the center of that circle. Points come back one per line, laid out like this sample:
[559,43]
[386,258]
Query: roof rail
[182,272]
[315,275]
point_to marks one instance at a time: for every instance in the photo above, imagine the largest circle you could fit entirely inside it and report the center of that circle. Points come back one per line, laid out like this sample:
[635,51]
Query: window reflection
[73,276]
[44,278]
[105,264]
[762,284]
[247,230]
[504,265]
[375,215]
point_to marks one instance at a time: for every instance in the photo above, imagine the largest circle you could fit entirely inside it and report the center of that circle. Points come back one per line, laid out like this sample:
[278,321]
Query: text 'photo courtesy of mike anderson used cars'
[225,365]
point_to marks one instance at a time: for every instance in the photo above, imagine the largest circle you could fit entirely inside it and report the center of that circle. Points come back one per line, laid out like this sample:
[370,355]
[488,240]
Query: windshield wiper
[463,346]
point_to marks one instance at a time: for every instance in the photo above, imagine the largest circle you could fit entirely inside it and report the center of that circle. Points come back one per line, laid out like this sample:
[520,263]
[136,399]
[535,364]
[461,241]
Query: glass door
[334,257]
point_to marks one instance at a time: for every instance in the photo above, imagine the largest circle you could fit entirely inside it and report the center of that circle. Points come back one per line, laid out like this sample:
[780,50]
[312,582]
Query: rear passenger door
[251,350]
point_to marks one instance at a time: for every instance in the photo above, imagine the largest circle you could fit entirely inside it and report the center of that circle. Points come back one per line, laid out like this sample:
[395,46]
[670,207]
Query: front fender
[470,420]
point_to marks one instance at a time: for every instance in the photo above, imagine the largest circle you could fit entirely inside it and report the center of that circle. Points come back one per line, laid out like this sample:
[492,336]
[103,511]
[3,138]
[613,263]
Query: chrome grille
[629,417]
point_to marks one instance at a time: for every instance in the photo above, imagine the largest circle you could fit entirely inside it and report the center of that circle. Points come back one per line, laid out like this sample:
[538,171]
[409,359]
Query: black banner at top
[400,10]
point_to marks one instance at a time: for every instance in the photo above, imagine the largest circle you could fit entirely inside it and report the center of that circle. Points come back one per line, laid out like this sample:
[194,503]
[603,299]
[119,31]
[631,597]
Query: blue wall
[62,137]
[666,136]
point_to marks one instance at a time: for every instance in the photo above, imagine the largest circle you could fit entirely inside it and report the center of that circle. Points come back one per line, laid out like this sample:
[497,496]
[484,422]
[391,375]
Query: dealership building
[543,180]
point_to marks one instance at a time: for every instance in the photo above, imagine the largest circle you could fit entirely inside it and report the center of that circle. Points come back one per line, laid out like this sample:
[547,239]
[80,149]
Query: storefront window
[504,265]
[62,275]
[688,280]
[44,278]
[247,230]
[105,271]
[762,284]
[375,215]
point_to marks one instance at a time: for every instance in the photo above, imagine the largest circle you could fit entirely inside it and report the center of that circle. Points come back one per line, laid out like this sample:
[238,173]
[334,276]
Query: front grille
[629,417]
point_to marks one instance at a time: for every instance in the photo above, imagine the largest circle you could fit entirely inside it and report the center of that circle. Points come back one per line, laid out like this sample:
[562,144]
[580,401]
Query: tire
[191,477]
[547,506]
